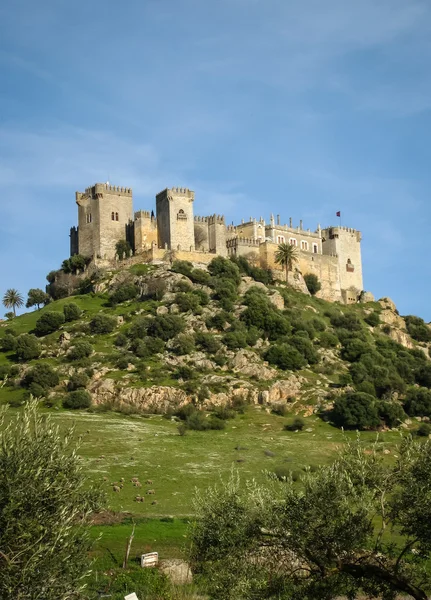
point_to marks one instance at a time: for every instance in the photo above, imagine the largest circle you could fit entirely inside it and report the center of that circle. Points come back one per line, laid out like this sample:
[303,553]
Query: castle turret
[104,214]
[345,243]
[175,222]
[145,230]
[217,235]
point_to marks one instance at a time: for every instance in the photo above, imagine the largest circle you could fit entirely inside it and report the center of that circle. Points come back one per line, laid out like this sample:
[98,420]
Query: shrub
[122,362]
[372,319]
[27,347]
[418,402]
[43,375]
[187,301]
[71,312]
[354,349]
[225,289]
[217,321]
[235,339]
[121,340]
[202,297]
[200,276]
[222,267]
[81,349]
[139,328]
[207,342]
[424,430]
[102,324]
[318,324]
[49,322]
[297,424]
[148,347]
[312,282]
[391,413]
[184,267]
[183,344]
[77,399]
[77,381]
[302,325]
[183,286]
[8,341]
[165,326]
[252,336]
[182,429]
[285,357]
[127,291]
[355,410]
[305,347]
[155,289]
[418,329]
[328,339]
[386,329]
[347,321]
[184,372]
[4,372]
[423,375]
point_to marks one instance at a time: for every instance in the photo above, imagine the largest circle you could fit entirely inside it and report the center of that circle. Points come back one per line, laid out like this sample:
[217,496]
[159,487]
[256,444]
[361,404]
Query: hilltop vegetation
[152,339]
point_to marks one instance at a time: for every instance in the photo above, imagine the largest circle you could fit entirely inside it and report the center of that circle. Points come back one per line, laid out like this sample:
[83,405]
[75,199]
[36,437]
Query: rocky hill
[150,338]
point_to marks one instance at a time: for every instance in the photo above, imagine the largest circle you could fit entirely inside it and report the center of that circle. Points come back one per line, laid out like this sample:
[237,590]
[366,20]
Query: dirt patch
[109,517]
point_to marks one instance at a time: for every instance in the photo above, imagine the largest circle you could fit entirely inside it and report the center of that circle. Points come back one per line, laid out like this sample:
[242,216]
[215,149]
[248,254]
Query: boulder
[277,300]
[249,282]
[365,297]
[388,304]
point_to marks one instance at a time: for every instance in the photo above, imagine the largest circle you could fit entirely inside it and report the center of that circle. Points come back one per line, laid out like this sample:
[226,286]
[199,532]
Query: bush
[4,372]
[71,312]
[121,340]
[354,349]
[202,296]
[183,344]
[222,267]
[187,301]
[165,326]
[200,276]
[77,399]
[391,413]
[8,341]
[312,282]
[148,347]
[355,410]
[102,324]
[27,347]
[305,347]
[77,381]
[285,357]
[155,289]
[418,402]
[217,321]
[127,291]
[235,339]
[300,325]
[49,322]
[328,340]
[81,349]
[225,289]
[372,319]
[386,329]
[43,375]
[424,430]
[184,267]
[207,342]
[348,321]
[418,329]
[184,372]
[297,424]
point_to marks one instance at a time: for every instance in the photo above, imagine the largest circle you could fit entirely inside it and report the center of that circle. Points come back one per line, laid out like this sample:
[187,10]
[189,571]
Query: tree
[27,347]
[45,506]
[13,299]
[312,282]
[355,410]
[286,256]
[323,539]
[123,249]
[49,322]
[36,297]
[201,236]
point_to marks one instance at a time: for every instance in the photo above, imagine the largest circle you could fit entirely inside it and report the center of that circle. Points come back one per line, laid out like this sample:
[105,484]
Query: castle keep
[105,216]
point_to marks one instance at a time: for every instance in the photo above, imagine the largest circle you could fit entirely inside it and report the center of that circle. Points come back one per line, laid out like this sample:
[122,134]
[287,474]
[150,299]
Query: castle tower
[104,214]
[175,222]
[145,230]
[217,235]
[345,243]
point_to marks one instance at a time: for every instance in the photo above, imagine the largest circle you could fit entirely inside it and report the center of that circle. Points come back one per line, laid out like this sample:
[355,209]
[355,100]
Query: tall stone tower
[345,243]
[175,221]
[104,214]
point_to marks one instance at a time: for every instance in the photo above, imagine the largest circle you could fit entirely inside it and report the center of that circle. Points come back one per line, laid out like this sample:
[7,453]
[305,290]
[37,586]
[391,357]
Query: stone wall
[346,244]
[175,222]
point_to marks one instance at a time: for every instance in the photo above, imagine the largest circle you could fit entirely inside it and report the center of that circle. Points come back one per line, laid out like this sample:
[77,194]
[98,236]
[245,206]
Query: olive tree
[44,510]
[358,526]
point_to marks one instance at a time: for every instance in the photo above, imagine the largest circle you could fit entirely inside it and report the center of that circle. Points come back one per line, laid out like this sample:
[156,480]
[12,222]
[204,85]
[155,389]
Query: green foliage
[77,381]
[13,299]
[297,424]
[423,375]
[185,372]
[127,291]
[43,375]
[354,349]
[123,249]
[333,524]
[148,346]
[418,329]
[262,275]
[285,357]
[235,339]
[225,289]
[36,297]
[165,326]
[184,344]
[121,340]
[155,289]
[286,256]
[312,282]
[187,301]
[391,413]
[49,322]
[207,342]
[355,410]
[71,312]
[372,319]
[45,510]
[347,321]
[223,268]
[8,341]
[80,349]
[217,321]
[103,324]
[184,267]
[417,402]
[27,347]
[305,347]
[424,430]
[328,339]
[75,263]
[148,584]
[77,399]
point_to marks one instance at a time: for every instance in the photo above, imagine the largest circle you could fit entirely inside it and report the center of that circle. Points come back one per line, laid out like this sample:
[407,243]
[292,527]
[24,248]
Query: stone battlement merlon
[175,192]
[216,219]
[295,230]
[201,219]
[107,188]
[242,241]
[143,214]
[334,230]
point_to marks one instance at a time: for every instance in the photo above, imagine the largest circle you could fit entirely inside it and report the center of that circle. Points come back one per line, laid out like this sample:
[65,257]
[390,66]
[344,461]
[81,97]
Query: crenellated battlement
[107,188]
[242,241]
[144,214]
[176,192]
[201,219]
[216,220]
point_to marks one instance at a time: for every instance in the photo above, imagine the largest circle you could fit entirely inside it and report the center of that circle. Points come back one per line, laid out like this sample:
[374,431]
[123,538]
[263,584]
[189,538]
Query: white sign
[132,596]
[149,560]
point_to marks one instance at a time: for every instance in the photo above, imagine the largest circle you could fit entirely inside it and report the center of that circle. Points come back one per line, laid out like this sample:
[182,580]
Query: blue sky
[297,108]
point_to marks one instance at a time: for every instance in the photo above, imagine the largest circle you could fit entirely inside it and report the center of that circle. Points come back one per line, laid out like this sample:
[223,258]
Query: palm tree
[13,299]
[286,256]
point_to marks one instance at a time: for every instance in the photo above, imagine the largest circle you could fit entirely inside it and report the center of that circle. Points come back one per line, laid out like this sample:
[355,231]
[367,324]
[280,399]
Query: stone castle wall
[346,244]
[175,220]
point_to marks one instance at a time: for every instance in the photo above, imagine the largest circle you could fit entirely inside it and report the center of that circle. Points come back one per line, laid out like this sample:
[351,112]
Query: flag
[338,213]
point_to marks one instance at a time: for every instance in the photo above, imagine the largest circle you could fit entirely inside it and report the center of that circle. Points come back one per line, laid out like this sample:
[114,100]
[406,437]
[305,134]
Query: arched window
[304,245]
[181,214]
[116,216]
[293,242]
[113,216]
[280,239]
[315,248]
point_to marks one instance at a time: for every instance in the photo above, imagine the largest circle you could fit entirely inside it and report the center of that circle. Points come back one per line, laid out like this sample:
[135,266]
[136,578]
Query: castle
[105,216]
